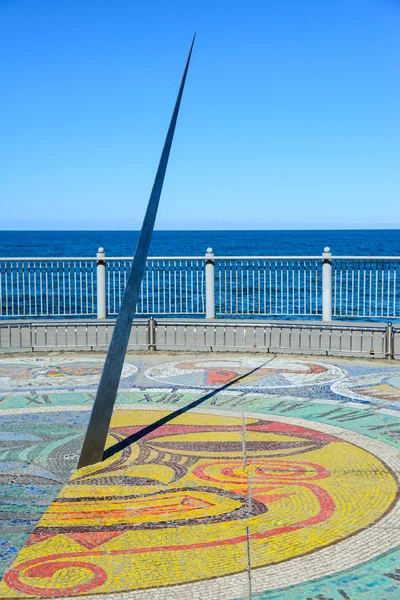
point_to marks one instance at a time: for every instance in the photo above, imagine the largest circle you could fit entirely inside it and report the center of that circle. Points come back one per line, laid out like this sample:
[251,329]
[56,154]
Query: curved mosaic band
[303,477]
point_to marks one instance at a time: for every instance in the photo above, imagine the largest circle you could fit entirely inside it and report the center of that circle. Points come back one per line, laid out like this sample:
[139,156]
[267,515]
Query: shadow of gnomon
[150,428]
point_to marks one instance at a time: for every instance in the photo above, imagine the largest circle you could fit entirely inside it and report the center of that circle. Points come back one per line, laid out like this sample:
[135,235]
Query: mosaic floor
[279,481]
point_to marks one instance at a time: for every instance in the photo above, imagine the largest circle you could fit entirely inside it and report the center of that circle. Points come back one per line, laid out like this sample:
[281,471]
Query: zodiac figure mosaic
[380,386]
[42,373]
[183,496]
[269,374]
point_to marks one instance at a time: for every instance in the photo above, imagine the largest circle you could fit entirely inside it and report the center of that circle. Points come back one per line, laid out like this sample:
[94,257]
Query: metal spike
[96,435]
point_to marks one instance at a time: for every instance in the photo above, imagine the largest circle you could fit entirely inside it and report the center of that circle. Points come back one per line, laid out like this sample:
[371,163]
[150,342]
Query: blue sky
[290,117]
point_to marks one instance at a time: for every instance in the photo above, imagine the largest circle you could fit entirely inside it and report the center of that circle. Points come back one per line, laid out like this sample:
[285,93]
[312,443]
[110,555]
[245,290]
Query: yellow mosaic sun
[174,506]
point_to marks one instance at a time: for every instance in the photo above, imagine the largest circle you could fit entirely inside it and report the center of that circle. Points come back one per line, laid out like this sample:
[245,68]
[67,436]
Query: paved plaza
[227,476]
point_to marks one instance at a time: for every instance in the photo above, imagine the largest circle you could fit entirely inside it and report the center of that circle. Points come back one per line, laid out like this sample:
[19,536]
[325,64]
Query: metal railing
[237,336]
[266,286]
[169,286]
[36,287]
[290,287]
[365,286]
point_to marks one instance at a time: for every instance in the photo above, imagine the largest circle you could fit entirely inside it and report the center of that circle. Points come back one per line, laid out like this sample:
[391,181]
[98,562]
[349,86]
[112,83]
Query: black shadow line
[139,434]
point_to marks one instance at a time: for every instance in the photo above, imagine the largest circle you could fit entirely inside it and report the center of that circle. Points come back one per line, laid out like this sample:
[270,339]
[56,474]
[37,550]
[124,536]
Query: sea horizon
[194,242]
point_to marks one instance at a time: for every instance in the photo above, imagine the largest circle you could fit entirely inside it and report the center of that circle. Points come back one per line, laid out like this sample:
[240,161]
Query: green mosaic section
[378,579]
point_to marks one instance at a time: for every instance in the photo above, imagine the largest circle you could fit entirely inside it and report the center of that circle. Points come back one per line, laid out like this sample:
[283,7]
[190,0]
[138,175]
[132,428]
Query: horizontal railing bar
[152,258]
[47,258]
[201,257]
[62,321]
[364,258]
[319,257]
[203,324]
[238,324]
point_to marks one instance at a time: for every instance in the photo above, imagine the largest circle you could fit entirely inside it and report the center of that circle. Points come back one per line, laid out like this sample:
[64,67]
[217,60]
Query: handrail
[205,323]
[201,257]
[46,258]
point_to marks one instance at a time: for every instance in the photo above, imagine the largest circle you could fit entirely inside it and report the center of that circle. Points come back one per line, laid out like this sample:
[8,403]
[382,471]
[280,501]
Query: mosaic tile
[270,373]
[306,490]
[45,373]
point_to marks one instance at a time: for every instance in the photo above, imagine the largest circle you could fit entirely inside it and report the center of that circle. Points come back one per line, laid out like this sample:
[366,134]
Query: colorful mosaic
[374,386]
[268,373]
[303,486]
[43,373]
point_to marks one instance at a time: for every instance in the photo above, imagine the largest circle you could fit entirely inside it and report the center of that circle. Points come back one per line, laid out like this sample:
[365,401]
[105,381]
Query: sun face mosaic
[299,481]
[293,493]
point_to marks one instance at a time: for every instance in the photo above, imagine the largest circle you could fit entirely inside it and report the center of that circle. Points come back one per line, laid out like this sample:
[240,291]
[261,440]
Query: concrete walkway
[284,485]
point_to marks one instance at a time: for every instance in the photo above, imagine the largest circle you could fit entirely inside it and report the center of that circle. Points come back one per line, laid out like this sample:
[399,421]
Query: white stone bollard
[327,284]
[389,343]
[151,334]
[101,284]
[210,284]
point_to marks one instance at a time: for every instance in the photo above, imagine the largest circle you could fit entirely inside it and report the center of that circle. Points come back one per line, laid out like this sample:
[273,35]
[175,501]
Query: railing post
[389,341]
[210,284]
[327,284]
[151,334]
[101,284]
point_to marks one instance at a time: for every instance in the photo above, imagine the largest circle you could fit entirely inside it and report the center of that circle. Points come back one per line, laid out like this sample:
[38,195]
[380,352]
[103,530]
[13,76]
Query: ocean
[194,243]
